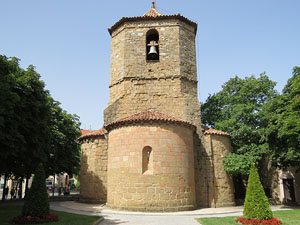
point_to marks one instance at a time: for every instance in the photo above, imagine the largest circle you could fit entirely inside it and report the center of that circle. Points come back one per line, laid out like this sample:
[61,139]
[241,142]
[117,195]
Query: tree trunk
[20,192]
[26,186]
[53,185]
[3,194]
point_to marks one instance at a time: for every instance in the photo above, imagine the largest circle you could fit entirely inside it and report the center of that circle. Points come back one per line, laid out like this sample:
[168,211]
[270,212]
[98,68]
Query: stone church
[152,153]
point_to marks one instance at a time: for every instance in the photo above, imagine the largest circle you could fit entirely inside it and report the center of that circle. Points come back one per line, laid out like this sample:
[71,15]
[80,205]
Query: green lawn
[8,211]
[288,217]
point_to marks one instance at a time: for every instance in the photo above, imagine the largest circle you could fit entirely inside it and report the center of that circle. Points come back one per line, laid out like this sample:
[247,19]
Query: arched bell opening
[152,45]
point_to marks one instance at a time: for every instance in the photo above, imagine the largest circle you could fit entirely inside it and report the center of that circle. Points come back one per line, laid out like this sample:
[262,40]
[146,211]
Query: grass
[288,217]
[8,211]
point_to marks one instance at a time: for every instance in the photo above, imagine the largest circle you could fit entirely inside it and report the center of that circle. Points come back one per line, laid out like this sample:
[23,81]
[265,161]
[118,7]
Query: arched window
[147,161]
[152,45]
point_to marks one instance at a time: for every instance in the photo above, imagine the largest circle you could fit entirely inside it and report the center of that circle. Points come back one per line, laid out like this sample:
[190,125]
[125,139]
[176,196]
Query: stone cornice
[171,77]
[147,18]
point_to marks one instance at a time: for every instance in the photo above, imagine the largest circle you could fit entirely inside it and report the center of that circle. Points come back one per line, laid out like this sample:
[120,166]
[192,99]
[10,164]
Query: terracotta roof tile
[145,18]
[208,130]
[149,115]
[152,12]
[83,131]
[90,133]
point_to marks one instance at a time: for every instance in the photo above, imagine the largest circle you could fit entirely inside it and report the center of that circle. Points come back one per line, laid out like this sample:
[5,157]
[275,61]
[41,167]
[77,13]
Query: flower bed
[272,221]
[33,219]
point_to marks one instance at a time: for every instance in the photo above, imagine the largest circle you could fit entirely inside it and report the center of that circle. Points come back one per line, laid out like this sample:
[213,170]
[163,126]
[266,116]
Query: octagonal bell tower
[153,66]
[153,154]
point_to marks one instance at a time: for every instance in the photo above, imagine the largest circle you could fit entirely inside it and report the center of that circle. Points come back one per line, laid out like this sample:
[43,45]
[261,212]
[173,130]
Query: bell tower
[152,153]
[153,66]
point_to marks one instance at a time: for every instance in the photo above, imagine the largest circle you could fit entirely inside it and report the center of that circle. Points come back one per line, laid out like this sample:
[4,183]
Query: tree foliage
[237,109]
[8,99]
[283,118]
[25,116]
[64,150]
[34,128]
[37,201]
[256,205]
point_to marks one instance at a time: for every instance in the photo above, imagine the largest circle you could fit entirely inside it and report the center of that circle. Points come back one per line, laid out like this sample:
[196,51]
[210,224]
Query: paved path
[113,217]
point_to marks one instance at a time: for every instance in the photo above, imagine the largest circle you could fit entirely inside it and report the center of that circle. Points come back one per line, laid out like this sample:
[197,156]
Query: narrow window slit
[147,160]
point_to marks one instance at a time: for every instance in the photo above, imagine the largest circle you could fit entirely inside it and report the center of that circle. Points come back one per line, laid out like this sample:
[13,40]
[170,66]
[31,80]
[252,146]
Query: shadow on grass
[8,211]
[108,221]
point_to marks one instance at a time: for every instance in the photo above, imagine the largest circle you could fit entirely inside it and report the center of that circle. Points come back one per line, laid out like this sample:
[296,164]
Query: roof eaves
[147,117]
[92,134]
[210,131]
[145,18]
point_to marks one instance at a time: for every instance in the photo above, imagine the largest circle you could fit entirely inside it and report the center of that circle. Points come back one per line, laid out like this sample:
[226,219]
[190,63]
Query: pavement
[114,217]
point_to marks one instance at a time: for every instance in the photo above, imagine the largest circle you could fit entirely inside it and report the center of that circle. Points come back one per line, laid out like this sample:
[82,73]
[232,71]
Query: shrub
[37,202]
[256,205]
[77,185]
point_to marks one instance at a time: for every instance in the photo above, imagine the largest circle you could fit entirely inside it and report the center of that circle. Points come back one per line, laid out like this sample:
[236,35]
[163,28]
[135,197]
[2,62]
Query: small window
[152,45]
[147,160]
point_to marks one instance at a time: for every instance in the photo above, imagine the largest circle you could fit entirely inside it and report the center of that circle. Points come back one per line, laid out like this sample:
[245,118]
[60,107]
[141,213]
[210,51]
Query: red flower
[20,219]
[272,221]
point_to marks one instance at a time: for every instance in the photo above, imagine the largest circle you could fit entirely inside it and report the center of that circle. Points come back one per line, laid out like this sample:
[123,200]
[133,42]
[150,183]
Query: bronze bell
[152,50]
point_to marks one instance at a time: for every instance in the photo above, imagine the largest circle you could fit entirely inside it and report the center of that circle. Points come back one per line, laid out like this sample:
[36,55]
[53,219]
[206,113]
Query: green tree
[64,150]
[37,201]
[237,109]
[9,140]
[24,117]
[33,122]
[282,116]
[256,205]
[34,128]
[8,99]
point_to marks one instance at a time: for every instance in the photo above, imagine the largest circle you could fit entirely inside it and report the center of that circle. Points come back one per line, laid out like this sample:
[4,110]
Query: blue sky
[68,42]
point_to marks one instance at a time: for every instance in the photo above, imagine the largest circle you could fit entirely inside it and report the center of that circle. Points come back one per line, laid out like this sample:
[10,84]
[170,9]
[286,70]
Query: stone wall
[168,85]
[270,180]
[169,186]
[93,171]
[214,187]
[291,173]
[173,97]
[187,52]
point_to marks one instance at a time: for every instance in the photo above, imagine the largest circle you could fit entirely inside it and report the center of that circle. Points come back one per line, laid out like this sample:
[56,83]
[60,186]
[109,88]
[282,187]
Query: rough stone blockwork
[155,165]
[93,171]
[168,85]
[169,186]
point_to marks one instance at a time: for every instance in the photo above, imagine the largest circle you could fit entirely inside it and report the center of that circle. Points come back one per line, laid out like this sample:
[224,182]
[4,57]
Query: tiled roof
[149,115]
[208,130]
[83,131]
[152,14]
[90,134]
